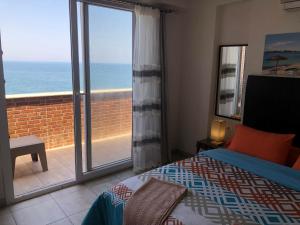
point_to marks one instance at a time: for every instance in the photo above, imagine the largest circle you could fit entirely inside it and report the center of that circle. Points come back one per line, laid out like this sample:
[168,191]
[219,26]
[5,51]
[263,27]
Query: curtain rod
[132,2]
[145,5]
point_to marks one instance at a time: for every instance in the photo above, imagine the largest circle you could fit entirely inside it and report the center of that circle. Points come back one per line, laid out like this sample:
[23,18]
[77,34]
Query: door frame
[107,168]
[87,86]
[5,165]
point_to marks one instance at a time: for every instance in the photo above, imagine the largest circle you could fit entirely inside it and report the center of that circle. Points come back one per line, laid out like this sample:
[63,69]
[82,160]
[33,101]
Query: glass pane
[37,68]
[110,41]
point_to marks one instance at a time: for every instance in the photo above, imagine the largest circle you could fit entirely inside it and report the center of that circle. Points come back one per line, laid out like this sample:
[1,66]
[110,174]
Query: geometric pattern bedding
[218,193]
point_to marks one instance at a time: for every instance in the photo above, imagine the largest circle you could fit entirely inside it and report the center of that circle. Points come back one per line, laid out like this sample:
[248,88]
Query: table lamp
[218,128]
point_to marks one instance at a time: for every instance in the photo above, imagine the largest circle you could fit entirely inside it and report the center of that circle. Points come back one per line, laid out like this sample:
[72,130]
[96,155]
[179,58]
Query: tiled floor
[61,163]
[64,207]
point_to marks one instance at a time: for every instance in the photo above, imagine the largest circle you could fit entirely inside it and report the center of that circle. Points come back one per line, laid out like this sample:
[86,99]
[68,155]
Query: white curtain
[146,89]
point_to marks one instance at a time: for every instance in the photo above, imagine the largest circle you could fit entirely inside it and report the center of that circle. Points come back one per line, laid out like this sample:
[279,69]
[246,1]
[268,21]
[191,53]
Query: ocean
[292,58]
[38,77]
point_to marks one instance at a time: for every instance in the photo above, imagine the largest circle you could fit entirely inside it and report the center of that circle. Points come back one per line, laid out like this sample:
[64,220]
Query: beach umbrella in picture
[277,59]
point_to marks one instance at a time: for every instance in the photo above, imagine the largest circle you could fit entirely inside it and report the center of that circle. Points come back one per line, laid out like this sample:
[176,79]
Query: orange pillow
[268,146]
[297,164]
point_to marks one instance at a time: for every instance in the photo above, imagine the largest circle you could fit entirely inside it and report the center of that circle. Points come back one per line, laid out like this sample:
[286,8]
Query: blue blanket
[280,174]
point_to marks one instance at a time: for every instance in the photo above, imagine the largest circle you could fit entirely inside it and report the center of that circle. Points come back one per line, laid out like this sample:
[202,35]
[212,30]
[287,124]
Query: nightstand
[207,144]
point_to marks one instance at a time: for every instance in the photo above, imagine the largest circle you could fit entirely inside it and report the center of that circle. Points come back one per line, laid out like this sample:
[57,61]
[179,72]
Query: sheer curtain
[147,117]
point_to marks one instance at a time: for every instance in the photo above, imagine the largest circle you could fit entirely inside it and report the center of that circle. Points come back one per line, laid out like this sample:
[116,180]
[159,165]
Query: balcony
[50,117]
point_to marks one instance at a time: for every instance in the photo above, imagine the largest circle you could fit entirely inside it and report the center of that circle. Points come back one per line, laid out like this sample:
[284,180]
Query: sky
[39,30]
[281,42]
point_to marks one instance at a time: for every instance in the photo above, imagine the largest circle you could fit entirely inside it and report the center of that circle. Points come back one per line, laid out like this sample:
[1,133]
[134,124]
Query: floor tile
[66,206]
[98,189]
[102,184]
[99,185]
[77,219]
[4,211]
[22,169]
[76,201]
[55,176]
[62,222]
[126,174]
[7,220]
[26,184]
[29,203]
[40,214]
[66,191]
[61,163]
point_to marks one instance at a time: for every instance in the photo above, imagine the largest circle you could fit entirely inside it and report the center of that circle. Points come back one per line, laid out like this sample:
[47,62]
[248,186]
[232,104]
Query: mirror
[230,81]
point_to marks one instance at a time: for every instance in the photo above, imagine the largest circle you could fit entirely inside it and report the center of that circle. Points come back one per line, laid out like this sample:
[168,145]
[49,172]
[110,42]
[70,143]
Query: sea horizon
[29,77]
[32,61]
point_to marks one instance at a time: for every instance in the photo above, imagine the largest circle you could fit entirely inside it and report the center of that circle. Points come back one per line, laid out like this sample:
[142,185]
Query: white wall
[173,46]
[197,71]
[207,25]
[259,18]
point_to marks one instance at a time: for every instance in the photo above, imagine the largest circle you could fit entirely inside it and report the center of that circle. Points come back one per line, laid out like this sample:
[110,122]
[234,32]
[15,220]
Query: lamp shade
[217,132]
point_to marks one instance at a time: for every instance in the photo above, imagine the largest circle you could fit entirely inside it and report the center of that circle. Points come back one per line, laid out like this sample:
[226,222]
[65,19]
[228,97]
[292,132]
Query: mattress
[224,187]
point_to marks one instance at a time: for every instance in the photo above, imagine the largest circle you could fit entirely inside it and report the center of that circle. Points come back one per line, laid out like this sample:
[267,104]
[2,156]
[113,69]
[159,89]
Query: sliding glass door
[38,93]
[107,85]
[78,108]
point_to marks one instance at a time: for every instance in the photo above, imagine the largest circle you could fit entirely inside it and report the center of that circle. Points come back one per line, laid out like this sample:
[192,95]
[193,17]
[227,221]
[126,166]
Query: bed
[226,187]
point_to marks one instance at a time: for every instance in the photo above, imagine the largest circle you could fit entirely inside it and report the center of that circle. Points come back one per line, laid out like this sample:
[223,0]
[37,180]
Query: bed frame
[273,104]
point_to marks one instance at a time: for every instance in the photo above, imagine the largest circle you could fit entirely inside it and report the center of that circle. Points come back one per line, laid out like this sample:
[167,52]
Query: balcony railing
[50,115]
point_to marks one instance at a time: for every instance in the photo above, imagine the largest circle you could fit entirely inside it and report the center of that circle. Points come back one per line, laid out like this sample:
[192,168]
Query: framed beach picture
[282,54]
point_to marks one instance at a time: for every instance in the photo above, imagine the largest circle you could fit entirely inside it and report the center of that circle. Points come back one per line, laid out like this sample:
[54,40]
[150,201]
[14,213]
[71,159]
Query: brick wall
[51,117]
[111,114]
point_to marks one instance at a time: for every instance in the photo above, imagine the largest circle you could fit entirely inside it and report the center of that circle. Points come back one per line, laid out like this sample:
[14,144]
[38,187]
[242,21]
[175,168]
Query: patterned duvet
[224,188]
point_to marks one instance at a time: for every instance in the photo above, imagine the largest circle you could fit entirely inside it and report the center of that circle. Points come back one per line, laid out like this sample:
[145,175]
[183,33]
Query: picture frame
[282,54]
